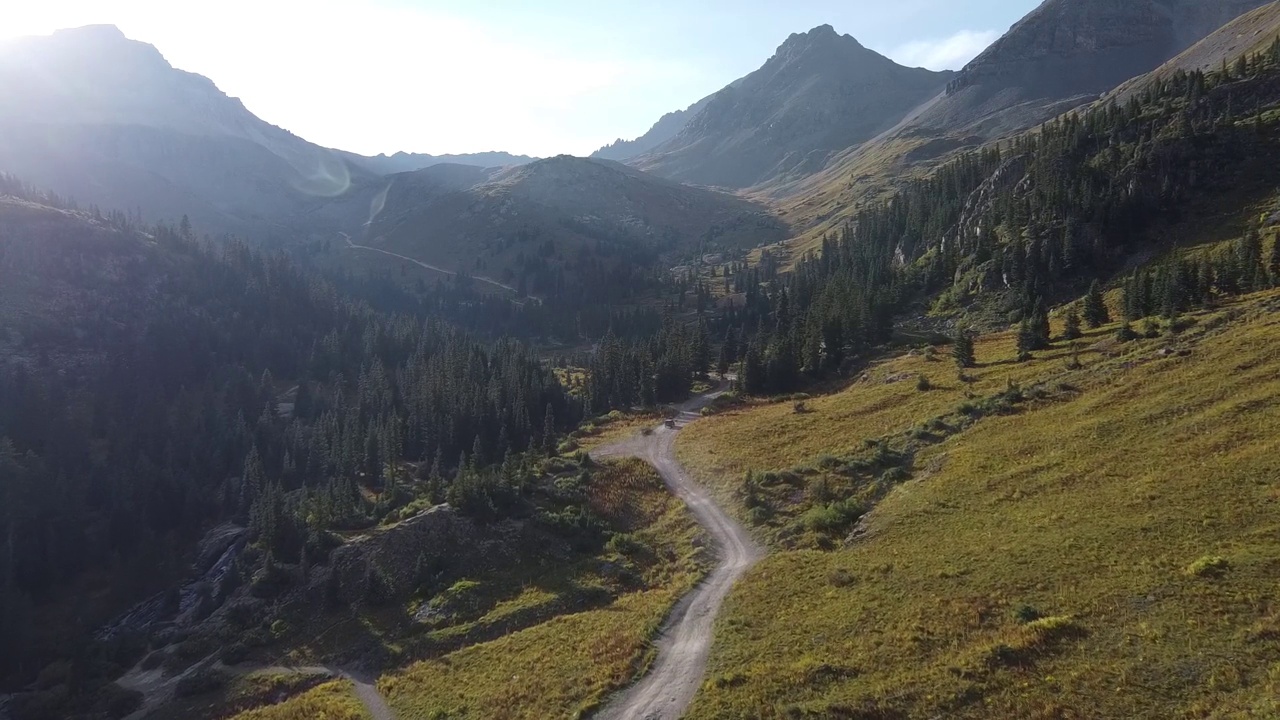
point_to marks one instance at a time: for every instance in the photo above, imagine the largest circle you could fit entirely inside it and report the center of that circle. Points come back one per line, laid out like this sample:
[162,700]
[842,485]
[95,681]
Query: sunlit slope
[1108,547]
[569,664]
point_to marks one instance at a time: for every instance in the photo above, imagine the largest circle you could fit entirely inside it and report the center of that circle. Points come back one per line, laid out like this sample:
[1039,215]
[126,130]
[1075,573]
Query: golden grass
[1139,516]
[333,700]
[564,667]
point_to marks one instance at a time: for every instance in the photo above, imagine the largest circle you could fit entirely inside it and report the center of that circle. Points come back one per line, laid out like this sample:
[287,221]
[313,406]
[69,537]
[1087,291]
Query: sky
[536,77]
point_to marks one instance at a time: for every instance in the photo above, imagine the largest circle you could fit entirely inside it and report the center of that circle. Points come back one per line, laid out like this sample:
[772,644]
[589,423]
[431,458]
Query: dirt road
[419,263]
[685,638]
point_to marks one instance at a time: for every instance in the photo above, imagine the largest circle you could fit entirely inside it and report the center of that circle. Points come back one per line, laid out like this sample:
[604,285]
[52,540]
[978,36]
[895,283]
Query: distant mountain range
[107,120]
[408,162]
[822,125]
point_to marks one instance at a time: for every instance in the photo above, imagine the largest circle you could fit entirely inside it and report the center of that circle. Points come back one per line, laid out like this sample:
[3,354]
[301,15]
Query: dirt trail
[685,638]
[419,263]
[158,689]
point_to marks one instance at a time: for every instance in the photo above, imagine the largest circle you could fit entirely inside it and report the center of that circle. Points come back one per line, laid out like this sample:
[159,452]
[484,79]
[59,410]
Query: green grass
[1112,553]
[333,700]
[567,665]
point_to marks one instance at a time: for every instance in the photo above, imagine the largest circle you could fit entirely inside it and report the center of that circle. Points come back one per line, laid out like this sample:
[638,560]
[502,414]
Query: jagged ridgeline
[1008,228]
[152,386]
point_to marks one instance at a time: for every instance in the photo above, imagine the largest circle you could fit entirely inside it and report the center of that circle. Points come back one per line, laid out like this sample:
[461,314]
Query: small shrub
[279,629]
[1027,613]
[758,515]
[923,384]
[1150,328]
[832,518]
[624,544]
[841,577]
[799,408]
[1209,566]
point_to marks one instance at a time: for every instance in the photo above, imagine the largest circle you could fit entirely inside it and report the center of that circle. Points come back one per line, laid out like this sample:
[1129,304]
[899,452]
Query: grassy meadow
[1093,533]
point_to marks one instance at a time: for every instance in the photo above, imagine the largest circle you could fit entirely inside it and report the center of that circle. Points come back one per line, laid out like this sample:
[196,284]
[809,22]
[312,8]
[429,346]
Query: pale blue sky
[538,76]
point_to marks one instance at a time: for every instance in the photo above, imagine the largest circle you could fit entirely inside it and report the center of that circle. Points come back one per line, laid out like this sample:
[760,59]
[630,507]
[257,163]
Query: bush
[832,518]
[1026,614]
[1209,566]
[758,515]
[624,544]
[923,384]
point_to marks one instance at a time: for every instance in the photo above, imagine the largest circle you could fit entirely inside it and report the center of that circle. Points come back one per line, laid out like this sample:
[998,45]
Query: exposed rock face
[820,93]
[667,127]
[445,541]
[1067,52]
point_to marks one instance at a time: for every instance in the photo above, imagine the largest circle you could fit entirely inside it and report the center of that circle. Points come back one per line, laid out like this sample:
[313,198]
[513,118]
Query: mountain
[1252,32]
[667,127]
[536,224]
[1062,55]
[819,94]
[408,162]
[1068,52]
[91,114]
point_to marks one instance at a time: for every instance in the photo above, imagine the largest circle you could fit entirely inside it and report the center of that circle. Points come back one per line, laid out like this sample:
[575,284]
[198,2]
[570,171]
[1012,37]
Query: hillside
[92,115]
[820,93]
[1252,32]
[1045,561]
[595,225]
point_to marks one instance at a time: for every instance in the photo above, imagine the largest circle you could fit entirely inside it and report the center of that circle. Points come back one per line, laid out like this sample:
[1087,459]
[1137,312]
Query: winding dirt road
[685,638]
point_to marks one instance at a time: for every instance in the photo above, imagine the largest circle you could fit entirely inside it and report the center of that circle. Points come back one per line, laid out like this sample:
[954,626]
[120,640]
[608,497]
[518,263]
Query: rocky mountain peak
[822,41]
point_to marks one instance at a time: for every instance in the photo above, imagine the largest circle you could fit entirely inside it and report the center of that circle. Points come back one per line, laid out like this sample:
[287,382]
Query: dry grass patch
[1041,564]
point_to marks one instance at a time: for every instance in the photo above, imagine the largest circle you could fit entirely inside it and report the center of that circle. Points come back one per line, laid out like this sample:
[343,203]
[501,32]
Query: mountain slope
[667,127]
[531,225]
[1062,55]
[1252,32]
[91,114]
[1066,52]
[819,94]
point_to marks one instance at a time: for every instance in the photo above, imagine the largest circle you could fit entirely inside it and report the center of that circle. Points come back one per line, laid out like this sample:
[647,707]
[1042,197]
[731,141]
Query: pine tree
[1273,264]
[962,349]
[1072,329]
[549,431]
[1095,307]
[1126,333]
